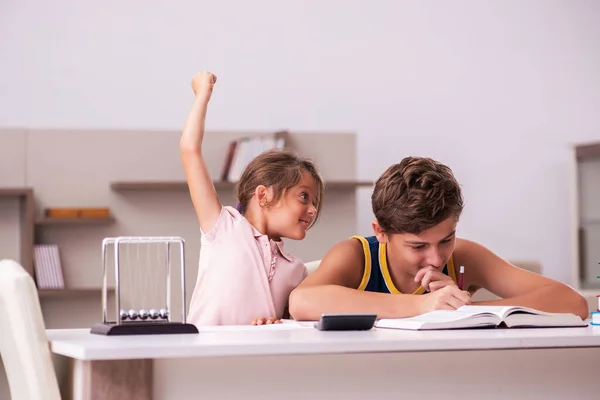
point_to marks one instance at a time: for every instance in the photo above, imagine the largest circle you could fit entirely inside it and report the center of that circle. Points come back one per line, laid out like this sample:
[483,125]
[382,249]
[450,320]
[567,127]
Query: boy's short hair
[415,195]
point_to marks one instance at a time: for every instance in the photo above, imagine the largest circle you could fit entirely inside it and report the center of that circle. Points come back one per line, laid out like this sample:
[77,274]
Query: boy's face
[409,252]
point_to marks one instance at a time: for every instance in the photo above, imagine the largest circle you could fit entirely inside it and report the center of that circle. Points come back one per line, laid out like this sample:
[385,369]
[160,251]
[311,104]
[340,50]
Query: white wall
[497,89]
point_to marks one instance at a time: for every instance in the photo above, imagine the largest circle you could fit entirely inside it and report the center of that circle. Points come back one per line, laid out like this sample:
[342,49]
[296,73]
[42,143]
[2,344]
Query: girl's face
[292,215]
[409,252]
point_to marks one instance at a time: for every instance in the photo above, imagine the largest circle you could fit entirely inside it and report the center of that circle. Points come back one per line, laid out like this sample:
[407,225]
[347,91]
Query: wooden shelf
[49,221]
[587,151]
[149,185]
[347,184]
[58,293]
[8,192]
[592,221]
[219,185]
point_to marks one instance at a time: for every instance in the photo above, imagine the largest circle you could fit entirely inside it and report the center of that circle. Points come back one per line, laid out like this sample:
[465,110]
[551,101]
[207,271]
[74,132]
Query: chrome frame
[117,241]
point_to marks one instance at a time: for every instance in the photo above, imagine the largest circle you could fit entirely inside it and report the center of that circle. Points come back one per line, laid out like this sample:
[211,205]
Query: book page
[504,311]
[525,316]
[435,318]
[499,311]
[441,316]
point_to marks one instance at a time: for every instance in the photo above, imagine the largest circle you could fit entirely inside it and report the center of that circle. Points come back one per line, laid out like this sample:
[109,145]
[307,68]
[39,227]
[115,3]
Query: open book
[483,317]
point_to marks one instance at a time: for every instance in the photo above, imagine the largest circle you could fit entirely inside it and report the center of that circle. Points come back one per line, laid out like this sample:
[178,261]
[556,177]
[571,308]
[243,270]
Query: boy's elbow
[299,305]
[581,306]
[574,302]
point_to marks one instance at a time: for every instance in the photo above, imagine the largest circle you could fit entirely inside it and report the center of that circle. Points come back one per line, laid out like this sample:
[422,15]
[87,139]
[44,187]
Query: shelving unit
[26,228]
[143,183]
[54,293]
[49,221]
[46,223]
[219,185]
[586,230]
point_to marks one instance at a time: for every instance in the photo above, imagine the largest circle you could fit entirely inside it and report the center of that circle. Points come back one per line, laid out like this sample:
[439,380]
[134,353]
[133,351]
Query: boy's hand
[447,298]
[433,279]
[264,320]
[202,84]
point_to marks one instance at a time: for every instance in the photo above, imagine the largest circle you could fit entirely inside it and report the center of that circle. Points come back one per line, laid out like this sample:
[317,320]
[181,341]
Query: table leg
[112,380]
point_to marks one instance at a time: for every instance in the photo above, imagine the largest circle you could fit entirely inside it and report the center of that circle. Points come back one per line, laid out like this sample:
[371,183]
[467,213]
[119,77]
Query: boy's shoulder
[466,247]
[363,242]
[471,254]
[352,250]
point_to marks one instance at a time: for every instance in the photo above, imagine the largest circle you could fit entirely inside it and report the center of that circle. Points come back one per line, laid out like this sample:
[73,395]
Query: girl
[245,276]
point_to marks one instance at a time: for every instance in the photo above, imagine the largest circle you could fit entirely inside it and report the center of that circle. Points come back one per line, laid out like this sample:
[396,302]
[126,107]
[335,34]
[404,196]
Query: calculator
[346,322]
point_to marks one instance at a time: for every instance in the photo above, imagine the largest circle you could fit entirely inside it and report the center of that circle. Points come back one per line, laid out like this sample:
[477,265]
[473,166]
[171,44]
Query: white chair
[23,343]
[312,266]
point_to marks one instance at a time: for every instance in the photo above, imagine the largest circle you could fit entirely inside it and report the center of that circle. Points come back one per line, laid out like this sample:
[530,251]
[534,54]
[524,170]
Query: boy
[412,263]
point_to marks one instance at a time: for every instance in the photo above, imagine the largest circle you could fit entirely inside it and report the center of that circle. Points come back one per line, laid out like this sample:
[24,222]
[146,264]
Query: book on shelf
[48,268]
[483,317]
[77,212]
[243,150]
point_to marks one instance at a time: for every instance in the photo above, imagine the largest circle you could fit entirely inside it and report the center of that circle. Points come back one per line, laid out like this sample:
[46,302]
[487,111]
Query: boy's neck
[402,277]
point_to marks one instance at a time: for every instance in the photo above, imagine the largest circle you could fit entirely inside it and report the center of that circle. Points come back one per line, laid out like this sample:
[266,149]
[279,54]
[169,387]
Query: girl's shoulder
[229,223]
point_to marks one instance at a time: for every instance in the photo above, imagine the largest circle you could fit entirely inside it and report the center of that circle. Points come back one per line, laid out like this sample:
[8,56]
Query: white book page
[433,317]
[500,311]
[550,320]
[441,316]
[503,311]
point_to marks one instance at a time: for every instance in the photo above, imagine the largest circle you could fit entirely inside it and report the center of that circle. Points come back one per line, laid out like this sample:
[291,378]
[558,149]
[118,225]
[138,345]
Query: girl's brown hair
[279,170]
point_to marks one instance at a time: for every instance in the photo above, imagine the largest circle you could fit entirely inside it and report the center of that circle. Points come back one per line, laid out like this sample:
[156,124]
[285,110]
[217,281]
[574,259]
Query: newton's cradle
[150,318]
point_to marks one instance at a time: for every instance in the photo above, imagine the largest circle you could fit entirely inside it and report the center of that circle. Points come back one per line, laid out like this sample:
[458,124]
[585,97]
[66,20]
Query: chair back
[23,343]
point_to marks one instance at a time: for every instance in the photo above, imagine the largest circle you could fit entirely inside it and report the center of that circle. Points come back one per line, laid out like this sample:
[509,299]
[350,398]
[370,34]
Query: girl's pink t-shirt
[233,285]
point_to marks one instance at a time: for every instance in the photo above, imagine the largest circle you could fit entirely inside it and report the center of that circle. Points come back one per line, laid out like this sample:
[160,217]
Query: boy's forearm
[307,304]
[549,298]
[193,130]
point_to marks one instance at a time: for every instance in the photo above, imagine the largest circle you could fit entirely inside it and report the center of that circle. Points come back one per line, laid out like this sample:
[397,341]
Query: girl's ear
[263,195]
[379,233]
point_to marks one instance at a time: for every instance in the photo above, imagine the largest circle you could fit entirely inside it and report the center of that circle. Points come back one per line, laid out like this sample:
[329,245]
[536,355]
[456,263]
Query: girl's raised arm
[202,191]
